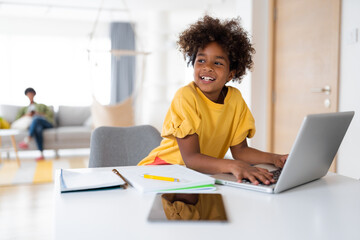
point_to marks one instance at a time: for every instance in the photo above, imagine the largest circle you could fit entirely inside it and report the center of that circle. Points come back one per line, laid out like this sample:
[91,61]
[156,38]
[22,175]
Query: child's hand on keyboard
[279,160]
[255,175]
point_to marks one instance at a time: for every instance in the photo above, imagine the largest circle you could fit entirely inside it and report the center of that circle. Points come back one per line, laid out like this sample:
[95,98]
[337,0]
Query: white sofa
[72,128]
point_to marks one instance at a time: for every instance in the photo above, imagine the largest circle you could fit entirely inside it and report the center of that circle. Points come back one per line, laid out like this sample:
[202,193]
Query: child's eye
[201,60]
[218,63]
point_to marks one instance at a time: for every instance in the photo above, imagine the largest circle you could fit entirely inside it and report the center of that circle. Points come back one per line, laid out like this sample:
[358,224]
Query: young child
[206,117]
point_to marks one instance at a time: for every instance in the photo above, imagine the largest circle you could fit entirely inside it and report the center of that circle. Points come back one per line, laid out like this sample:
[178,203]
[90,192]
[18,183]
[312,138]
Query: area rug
[32,172]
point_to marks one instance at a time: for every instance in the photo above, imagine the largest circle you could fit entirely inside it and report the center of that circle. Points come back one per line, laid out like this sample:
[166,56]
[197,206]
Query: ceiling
[88,9]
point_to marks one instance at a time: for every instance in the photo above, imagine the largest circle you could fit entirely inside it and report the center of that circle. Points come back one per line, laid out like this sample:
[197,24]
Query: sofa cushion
[9,112]
[49,138]
[73,133]
[72,115]
[22,123]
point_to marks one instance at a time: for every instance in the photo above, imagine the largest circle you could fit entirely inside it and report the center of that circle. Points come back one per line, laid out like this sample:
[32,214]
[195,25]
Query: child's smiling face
[212,70]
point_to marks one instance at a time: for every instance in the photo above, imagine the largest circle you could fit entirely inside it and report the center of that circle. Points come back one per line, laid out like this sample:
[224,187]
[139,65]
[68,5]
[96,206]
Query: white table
[328,208]
[11,133]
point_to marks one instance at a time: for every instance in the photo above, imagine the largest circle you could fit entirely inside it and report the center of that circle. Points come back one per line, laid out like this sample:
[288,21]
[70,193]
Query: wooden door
[306,65]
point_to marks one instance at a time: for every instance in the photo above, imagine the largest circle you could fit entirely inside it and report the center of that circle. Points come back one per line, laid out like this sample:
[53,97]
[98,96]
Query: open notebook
[189,180]
[87,179]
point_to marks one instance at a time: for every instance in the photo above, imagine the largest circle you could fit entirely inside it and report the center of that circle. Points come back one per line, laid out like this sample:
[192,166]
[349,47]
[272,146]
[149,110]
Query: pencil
[117,173]
[170,179]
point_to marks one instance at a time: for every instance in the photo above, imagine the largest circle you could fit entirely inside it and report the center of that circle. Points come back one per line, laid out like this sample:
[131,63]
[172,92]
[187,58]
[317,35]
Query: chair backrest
[122,146]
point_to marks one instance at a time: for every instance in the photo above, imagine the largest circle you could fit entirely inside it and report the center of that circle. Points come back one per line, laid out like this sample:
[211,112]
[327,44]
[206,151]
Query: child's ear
[231,75]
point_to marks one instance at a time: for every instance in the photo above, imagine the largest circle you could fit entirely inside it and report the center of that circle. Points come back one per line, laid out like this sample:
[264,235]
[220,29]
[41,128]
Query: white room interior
[45,44]
[61,48]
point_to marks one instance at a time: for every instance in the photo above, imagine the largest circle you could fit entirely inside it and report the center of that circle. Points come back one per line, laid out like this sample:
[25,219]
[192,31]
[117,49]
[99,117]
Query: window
[57,66]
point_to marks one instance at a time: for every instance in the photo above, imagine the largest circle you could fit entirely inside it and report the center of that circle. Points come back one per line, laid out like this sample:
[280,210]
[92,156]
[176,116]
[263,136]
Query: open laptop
[315,147]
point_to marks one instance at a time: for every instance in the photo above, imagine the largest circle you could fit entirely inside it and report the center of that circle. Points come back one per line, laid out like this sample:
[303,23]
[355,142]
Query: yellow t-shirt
[218,126]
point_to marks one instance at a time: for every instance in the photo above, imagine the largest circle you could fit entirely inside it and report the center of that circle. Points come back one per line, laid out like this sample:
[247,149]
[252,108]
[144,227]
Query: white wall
[349,97]
[259,82]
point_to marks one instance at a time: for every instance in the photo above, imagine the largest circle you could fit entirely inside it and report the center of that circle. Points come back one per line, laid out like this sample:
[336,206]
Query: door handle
[326,89]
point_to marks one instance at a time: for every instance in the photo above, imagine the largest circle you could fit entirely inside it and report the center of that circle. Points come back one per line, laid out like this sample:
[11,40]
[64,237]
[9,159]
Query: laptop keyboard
[276,174]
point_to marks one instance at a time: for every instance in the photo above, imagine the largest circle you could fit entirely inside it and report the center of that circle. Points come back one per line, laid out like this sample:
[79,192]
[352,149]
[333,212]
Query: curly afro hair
[228,34]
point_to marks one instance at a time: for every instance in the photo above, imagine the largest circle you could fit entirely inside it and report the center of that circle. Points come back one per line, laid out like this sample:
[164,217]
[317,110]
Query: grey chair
[122,146]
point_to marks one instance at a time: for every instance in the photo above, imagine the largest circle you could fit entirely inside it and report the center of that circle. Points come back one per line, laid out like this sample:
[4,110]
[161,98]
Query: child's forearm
[190,152]
[239,169]
[254,156]
[207,164]
[192,157]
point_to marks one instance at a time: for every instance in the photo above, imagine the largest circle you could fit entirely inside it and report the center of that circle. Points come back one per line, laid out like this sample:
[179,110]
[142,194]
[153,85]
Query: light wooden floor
[26,212]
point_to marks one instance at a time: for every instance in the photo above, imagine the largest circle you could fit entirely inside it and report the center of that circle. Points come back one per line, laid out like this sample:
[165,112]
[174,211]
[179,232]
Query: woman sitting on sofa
[42,118]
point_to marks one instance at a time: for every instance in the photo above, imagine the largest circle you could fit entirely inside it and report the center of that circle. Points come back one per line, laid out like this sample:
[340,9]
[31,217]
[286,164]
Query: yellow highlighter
[170,179]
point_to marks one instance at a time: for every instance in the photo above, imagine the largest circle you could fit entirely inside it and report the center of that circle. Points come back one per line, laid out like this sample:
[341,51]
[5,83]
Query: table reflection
[184,206]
